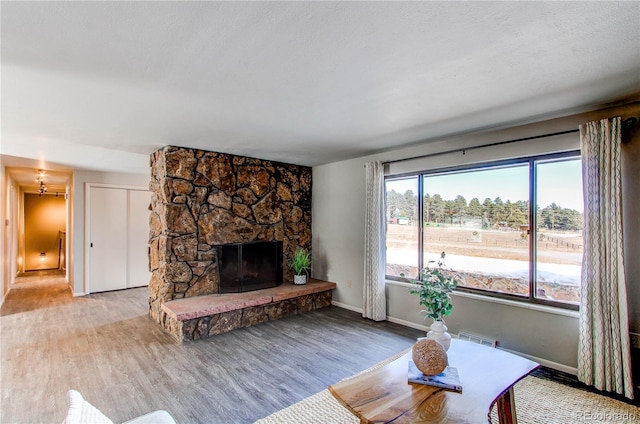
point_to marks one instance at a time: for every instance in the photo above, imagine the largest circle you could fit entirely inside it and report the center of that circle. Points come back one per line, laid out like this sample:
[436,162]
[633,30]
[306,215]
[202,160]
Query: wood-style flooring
[105,346]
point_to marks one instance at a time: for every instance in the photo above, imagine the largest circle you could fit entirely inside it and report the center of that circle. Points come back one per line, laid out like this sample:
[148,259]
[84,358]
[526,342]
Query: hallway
[36,290]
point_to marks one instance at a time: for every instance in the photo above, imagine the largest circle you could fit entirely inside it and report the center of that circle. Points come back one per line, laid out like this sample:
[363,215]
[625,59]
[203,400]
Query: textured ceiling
[100,85]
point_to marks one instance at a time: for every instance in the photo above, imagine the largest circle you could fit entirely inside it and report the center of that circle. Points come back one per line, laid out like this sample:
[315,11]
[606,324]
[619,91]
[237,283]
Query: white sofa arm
[82,412]
[155,417]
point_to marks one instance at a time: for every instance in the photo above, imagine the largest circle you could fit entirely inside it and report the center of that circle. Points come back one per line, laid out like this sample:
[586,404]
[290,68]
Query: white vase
[300,279]
[439,333]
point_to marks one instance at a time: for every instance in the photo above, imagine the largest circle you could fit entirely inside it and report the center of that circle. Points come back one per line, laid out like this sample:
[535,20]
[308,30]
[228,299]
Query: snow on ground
[568,275]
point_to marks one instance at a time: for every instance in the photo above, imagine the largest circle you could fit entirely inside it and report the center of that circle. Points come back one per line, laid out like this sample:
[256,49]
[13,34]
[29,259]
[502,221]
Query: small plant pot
[299,279]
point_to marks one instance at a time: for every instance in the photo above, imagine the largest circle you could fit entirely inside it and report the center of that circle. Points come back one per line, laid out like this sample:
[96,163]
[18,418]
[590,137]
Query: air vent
[635,340]
[462,335]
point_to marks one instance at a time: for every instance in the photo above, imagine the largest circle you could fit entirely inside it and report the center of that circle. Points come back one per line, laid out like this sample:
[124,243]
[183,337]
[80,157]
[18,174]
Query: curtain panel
[374,303]
[604,356]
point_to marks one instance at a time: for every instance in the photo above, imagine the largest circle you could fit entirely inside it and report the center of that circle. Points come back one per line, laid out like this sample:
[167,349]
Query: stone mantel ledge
[207,305]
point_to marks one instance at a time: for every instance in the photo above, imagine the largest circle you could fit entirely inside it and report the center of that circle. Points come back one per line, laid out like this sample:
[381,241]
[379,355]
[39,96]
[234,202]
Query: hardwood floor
[106,347]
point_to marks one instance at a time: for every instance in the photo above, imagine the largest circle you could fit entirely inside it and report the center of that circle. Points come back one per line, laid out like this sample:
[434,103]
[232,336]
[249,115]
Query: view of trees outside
[402,243]
[480,219]
[559,238]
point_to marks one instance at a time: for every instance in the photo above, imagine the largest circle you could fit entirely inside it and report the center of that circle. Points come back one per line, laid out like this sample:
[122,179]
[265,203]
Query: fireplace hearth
[251,266]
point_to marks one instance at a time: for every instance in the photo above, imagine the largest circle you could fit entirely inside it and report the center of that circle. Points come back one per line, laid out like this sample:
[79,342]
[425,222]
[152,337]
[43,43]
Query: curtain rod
[465,149]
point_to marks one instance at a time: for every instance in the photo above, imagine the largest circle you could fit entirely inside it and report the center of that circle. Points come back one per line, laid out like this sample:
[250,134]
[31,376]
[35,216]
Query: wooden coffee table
[487,376]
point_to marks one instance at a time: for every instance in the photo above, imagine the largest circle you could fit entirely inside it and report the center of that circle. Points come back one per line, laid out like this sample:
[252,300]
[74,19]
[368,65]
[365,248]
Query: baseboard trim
[78,294]
[408,324]
[390,319]
[544,362]
[345,306]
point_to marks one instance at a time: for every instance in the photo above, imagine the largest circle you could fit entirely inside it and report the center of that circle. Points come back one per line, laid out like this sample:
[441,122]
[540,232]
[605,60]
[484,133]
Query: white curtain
[374,303]
[604,356]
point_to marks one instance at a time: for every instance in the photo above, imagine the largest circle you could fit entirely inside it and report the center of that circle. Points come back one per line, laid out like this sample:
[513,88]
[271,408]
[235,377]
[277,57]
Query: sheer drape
[604,358]
[374,299]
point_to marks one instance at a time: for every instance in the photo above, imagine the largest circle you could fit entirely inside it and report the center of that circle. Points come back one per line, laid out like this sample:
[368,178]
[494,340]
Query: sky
[558,181]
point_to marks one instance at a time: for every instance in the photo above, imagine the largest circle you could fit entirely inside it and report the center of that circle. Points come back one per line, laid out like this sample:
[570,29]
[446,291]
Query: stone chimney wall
[201,199]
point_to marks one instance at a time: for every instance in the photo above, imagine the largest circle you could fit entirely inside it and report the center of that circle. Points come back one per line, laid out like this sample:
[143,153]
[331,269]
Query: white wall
[631,226]
[4,210]
[77,241]
[9,216]
[338,238]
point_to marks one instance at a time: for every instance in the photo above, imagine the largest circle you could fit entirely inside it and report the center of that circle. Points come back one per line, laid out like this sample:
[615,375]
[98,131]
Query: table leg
[507,408]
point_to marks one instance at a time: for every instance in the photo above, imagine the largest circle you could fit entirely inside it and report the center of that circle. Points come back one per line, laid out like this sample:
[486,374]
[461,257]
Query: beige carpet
[537,401]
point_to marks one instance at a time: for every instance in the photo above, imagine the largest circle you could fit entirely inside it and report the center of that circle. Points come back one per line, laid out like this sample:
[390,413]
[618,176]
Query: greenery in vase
[434,287]
[301,261]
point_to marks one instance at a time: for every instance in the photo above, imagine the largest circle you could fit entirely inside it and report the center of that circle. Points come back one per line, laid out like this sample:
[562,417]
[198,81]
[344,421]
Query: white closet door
[107,239]
[138,257]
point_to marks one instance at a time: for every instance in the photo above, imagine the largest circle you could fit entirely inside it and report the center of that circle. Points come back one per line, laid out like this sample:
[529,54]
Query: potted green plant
[434,287]
[300,263]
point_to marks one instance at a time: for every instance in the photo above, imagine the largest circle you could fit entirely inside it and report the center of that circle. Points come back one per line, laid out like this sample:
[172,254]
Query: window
[402,228]
[481,218]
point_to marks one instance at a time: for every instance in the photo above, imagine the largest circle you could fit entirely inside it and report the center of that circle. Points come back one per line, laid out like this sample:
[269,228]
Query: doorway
[44,232]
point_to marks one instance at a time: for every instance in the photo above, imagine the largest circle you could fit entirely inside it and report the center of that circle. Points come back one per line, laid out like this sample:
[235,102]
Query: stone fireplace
[203,201]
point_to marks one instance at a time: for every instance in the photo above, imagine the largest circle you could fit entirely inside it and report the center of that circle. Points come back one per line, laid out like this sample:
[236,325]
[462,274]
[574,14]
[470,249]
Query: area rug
[537,401]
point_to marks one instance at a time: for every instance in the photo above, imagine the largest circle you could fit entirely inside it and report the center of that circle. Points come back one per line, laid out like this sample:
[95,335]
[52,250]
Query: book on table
[447,379]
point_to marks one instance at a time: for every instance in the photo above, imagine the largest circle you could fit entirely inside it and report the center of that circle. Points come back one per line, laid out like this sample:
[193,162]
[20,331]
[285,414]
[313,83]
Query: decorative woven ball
[429,356]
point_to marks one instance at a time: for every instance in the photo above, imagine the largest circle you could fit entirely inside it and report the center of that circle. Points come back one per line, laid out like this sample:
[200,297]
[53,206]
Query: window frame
[531,162]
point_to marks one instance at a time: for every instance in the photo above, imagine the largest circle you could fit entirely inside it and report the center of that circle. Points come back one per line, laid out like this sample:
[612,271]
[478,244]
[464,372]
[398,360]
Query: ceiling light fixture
[40,179]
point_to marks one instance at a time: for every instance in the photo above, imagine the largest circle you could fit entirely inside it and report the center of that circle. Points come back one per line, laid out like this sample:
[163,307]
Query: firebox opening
[249,266]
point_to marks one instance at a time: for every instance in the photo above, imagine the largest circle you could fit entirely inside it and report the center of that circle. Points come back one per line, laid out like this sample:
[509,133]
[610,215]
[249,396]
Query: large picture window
[481,218]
